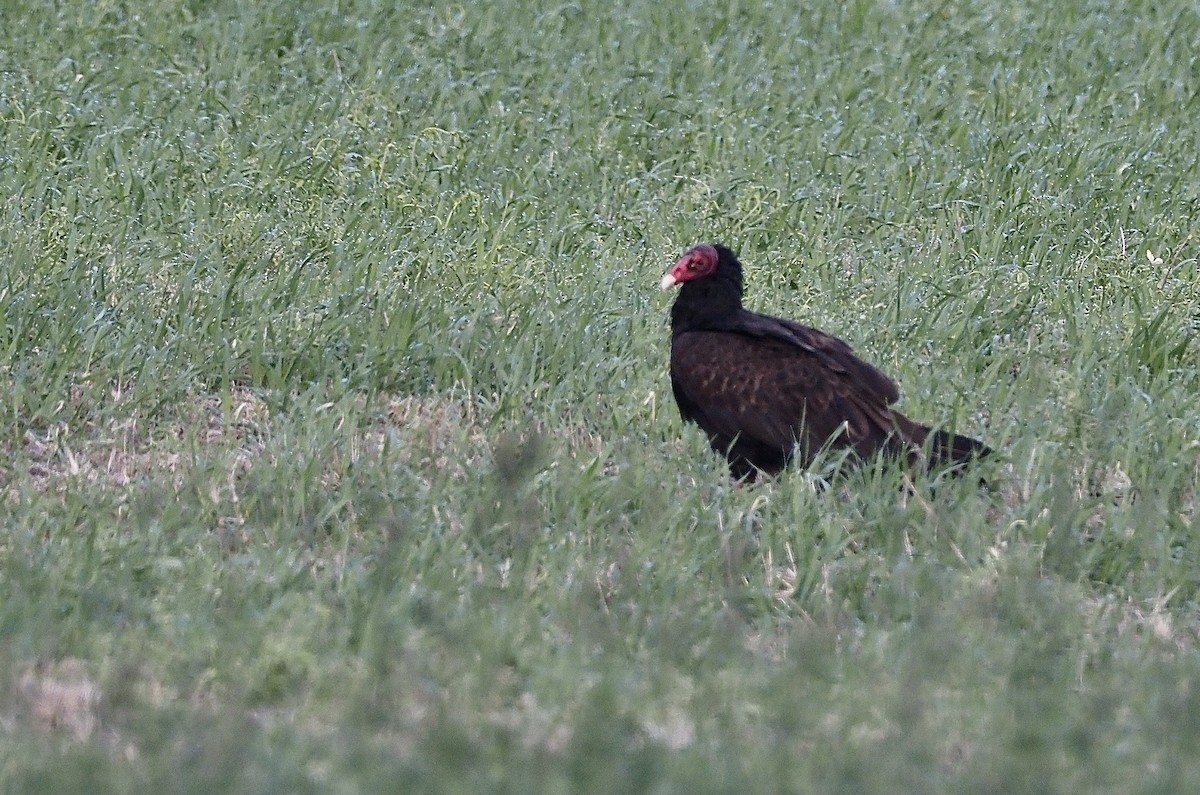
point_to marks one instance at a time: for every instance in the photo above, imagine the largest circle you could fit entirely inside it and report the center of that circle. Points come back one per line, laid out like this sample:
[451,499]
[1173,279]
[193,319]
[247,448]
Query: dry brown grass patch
[116,449]
[60,696]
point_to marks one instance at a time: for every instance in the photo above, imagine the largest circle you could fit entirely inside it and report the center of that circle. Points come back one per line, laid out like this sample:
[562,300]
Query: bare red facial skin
[697,263]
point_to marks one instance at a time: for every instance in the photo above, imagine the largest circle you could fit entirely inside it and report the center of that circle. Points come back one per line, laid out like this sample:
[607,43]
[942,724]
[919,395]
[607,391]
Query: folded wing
[762,387]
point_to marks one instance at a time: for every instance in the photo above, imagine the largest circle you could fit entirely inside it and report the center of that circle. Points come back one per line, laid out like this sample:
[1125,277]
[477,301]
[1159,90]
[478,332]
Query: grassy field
[337,450]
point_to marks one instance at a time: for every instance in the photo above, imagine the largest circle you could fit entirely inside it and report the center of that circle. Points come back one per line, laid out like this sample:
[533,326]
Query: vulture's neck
[707,303]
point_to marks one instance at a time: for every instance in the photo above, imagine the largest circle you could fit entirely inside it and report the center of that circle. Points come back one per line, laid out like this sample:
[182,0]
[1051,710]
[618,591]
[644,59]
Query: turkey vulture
[765,389]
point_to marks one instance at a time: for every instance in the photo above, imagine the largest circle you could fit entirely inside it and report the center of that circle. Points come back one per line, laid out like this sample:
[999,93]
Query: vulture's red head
[697,263]
[710,288]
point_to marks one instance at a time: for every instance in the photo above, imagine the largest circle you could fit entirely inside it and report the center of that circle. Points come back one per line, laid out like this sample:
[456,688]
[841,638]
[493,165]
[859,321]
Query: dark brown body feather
[766,389]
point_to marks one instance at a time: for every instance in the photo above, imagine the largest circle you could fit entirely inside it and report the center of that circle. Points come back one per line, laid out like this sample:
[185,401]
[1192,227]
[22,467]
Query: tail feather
[942,448]
[946,448]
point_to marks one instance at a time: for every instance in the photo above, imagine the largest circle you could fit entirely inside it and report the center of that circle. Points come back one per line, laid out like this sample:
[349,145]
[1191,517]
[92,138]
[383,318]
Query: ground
[338,452]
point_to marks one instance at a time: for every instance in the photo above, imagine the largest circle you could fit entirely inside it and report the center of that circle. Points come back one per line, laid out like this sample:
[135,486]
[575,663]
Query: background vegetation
[337,452]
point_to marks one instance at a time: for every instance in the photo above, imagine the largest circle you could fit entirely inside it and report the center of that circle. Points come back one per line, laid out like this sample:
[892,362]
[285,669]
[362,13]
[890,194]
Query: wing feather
[834,353]
[763,390]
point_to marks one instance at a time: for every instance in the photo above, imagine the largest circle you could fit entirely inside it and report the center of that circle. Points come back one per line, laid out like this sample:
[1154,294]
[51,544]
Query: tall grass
[338,448]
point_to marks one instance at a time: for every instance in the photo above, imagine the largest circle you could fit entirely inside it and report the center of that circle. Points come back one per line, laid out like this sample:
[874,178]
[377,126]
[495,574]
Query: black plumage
[766,389]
